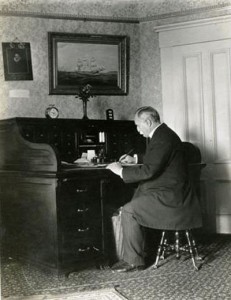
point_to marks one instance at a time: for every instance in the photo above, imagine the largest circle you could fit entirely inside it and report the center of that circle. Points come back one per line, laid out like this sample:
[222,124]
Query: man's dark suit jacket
[164,198]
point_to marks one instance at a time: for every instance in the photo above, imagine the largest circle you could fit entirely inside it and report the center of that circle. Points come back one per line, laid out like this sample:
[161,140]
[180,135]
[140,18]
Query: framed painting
[79,59]
[17,61]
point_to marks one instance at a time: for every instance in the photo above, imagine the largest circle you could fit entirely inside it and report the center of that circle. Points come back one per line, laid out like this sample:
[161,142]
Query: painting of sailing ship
[100,61]
[93,64]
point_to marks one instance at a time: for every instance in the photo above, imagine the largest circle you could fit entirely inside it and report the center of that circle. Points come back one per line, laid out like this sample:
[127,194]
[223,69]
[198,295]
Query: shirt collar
[152,132]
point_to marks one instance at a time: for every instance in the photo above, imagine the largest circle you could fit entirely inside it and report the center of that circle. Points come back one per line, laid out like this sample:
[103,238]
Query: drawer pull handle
[79,210]
[83,230]
[81,190]
[84,249]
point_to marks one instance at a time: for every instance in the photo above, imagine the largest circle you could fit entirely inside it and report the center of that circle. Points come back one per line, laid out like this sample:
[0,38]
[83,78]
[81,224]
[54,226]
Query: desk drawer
[83,249]
[81,226]
[87,234]
[79,205]
[72,188]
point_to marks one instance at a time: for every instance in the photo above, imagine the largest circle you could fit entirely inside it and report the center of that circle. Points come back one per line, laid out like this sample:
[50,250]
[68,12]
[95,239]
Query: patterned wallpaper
[145,67]
[34,31]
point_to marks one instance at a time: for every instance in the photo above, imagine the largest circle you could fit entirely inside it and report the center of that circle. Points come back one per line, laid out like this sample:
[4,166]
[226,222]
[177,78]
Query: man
[17,62]
[164,198]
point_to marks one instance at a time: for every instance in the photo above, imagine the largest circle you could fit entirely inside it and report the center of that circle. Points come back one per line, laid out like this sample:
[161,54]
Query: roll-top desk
[54,214]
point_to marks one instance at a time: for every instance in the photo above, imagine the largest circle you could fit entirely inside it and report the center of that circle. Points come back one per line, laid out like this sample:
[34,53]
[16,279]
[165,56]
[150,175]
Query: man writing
[164,198]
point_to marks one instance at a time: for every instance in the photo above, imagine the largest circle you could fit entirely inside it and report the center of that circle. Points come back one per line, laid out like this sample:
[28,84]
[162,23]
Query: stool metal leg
[191,249]
[198,257]
[177,244]
[160,250]
[165,245]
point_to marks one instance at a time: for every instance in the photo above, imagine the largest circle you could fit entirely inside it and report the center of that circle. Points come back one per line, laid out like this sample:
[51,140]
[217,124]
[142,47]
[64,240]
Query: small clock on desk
[52,112]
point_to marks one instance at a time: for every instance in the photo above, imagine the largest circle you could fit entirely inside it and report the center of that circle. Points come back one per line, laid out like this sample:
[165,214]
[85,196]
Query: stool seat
[177,247]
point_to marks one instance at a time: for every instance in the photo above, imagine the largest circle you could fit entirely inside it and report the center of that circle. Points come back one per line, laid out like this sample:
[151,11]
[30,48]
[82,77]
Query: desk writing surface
[84,166]
[97,171]
[90,166]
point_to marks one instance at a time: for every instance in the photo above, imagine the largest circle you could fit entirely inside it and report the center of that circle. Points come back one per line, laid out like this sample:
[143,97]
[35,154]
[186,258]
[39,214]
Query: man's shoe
[122,266]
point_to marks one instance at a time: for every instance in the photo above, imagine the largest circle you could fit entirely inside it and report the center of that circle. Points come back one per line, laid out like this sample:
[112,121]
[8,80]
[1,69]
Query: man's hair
[149,112]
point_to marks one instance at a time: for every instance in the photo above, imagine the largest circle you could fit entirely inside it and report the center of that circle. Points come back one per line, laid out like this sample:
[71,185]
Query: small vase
[85,117]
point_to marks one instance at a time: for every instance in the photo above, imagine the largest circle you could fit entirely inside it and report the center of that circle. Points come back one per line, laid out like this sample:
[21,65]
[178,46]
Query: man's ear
[149,122]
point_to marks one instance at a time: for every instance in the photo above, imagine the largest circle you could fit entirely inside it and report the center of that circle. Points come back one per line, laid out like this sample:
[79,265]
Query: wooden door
[197,104]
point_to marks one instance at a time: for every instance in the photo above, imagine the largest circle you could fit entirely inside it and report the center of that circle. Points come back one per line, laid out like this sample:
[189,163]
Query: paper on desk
[82,160]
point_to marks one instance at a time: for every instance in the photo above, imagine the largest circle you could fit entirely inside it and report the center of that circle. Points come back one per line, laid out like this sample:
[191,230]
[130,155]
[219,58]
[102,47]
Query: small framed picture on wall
[17,61]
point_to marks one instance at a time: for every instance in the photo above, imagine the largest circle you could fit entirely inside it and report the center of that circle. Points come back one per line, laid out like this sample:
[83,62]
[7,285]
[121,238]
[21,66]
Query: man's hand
[115,168]
[127,159]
